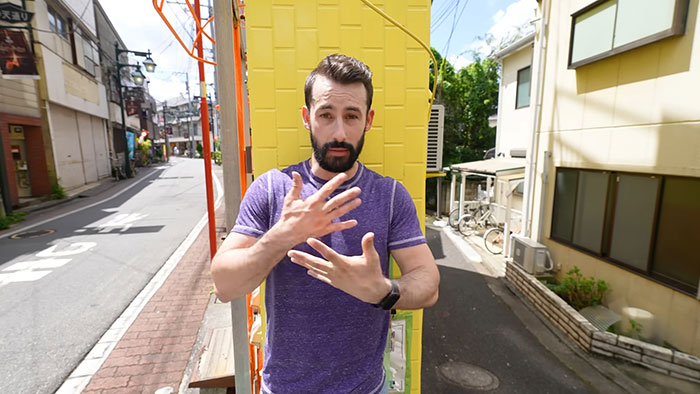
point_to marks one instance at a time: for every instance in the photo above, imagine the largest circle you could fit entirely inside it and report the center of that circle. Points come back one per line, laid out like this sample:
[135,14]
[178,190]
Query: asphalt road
[473,342]
[60,292]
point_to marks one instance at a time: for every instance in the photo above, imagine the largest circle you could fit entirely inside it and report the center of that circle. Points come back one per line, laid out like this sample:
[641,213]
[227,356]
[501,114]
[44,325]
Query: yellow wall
[287,39]
[636,111]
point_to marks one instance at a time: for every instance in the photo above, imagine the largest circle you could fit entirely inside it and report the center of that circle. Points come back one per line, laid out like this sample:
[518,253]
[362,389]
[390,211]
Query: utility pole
[215,101]
[189,114]
[165,131]
[232,182]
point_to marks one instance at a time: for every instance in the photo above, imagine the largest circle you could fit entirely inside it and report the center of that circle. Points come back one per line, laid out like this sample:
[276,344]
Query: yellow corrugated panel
[287,38]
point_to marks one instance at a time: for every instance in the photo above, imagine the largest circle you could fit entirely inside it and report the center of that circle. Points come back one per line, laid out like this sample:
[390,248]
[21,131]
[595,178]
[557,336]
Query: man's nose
[339,132]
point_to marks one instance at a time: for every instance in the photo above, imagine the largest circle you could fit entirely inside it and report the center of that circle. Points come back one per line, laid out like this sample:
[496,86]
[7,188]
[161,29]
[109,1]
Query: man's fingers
[341,199]
[368,248]
[328,253]
[340,226]
[342,210]
[295,191]
[319,276]
[309,262]
[330,186]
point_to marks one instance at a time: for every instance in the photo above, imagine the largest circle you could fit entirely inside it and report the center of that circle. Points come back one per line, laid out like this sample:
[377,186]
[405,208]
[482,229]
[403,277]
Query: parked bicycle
[477,220]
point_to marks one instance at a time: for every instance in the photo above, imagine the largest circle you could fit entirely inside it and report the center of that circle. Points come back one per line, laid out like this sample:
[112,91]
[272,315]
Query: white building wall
[514,125]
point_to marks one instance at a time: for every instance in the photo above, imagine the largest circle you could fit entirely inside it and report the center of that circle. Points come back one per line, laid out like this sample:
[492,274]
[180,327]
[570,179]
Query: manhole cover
[32,234]
[468,376]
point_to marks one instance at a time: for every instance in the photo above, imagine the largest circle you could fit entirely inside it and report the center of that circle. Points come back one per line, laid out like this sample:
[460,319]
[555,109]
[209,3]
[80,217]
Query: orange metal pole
[239,103]
[204,118]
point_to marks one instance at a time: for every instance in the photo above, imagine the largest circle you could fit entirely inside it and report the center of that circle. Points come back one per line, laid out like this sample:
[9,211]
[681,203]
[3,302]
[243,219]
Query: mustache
[338,144]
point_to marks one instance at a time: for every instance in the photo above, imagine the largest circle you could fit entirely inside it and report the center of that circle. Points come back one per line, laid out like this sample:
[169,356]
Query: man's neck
[327,175]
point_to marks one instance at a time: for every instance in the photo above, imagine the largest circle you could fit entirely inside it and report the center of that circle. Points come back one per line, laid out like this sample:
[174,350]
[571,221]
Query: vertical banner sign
[130,141]
[16,58]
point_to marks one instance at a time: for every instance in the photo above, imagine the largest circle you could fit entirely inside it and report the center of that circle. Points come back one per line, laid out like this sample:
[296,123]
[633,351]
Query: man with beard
[321,233]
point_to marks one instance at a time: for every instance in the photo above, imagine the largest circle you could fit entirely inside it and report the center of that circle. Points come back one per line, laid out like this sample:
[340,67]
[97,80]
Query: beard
[333,163]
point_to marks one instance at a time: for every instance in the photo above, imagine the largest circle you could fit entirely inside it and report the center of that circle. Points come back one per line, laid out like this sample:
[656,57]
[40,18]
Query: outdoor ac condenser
[530,255]
[436,128]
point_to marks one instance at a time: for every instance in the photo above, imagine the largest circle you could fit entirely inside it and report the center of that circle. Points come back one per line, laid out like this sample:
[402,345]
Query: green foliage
[217,152]
[144,147]
[200,148]
[57,192]
[470,96]
[7,221]
[579,291]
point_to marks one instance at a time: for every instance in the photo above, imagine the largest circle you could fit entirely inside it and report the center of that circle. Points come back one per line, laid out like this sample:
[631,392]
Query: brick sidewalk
[155,350]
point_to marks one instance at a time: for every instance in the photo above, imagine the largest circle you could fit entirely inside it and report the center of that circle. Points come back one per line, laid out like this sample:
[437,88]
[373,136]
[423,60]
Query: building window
[58,24]
[609,27]
[90,56]
[522,95]
[645,223]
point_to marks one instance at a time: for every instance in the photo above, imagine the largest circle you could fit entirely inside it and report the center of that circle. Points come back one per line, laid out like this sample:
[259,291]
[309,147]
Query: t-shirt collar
[318,182]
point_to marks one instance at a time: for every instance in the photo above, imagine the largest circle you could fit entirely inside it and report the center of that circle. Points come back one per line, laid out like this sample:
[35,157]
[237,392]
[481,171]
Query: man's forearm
[237,272]
[418,289]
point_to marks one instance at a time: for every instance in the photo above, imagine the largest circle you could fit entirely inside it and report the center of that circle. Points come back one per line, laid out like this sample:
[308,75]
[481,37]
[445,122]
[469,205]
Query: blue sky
[472,19]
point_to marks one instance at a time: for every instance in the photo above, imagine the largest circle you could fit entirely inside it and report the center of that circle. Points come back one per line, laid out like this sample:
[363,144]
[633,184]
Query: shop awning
[498,166]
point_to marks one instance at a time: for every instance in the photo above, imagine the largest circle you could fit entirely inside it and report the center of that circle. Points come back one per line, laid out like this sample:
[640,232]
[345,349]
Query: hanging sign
[16,59]
[13,13]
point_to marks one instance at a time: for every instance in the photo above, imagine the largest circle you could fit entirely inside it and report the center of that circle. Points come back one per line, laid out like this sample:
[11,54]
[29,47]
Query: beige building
[72,92]
[617,166]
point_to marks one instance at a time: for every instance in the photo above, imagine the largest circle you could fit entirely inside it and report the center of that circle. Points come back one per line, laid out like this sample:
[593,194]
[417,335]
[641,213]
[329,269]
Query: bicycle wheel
[454,217]
[493,240]
[466,225]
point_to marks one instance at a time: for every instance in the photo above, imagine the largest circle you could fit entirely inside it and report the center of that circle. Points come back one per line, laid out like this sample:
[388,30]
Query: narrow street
[59,292]
[473,342]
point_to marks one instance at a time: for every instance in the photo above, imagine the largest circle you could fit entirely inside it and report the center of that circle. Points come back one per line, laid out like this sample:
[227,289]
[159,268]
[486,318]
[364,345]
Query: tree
[470,96]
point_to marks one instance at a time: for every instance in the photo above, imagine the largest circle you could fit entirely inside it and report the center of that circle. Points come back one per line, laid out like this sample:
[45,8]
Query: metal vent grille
[436,127]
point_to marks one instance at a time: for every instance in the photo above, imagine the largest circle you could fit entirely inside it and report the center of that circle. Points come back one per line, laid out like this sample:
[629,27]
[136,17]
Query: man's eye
[326,116]
[352,116]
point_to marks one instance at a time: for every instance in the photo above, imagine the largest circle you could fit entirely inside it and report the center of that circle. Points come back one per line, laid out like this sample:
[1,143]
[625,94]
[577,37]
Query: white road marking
[37,265]
[72,249]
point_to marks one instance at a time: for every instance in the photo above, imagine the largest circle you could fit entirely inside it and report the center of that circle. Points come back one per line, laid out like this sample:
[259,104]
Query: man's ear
[370,119]
[305,117]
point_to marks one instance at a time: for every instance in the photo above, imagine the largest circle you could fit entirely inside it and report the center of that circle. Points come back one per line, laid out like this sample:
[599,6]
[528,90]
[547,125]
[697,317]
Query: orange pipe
[204,118]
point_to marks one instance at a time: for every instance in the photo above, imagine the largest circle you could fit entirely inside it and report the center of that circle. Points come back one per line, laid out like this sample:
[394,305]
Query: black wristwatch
[390,300]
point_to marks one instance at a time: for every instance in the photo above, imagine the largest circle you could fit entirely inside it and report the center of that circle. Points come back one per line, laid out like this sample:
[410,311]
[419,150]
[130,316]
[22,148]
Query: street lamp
[139,78]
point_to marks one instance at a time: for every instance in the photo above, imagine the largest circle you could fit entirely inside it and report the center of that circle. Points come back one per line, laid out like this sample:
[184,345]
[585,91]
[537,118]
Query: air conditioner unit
[436,128]
[530,255]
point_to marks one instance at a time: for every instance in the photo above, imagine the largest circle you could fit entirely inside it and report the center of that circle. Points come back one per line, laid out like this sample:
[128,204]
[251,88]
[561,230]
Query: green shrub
[7,221]
[57,192]
[579,291]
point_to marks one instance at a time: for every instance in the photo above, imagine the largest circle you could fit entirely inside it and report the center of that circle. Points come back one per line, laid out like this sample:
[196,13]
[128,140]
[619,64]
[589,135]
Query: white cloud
[506,23]
[459,61]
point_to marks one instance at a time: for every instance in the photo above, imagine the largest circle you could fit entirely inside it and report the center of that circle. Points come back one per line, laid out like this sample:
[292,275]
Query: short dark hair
[342,69]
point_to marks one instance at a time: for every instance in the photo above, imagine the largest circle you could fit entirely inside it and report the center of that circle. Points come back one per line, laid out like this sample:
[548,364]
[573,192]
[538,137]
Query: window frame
[611,200]
[517,87]
[680,17]
[51,12]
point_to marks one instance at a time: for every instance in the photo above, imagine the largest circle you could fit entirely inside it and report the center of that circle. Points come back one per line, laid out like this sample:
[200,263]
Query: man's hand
[315,217]
[359,276]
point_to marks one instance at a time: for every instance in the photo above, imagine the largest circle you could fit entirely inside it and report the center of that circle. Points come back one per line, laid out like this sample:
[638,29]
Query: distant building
[182,123]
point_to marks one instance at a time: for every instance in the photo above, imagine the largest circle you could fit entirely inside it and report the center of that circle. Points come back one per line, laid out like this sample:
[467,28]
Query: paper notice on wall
[397,356]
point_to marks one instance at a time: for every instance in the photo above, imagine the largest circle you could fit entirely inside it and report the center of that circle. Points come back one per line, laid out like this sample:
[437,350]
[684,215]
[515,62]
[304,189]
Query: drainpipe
[531,161]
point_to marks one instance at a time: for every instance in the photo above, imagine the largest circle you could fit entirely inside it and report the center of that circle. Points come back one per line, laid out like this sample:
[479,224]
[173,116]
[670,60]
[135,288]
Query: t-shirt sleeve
[254,215]
[405,228]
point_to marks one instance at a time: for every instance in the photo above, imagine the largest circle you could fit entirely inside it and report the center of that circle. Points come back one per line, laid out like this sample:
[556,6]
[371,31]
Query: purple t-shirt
[321,339]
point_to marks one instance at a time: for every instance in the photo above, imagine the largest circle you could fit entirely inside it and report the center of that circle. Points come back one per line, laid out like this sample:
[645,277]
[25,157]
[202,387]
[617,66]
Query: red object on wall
[36,157]
[35,153]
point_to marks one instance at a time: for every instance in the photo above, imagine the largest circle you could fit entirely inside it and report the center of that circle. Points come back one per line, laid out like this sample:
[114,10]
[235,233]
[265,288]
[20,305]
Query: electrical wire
[418,40]
[455,19]
[443,16]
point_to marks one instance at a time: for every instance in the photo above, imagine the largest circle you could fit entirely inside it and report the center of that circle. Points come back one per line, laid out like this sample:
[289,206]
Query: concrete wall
[19,97]
[514,125]
[636,111]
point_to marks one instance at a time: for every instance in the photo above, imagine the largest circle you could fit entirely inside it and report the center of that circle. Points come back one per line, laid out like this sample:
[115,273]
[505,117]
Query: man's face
[337,121]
